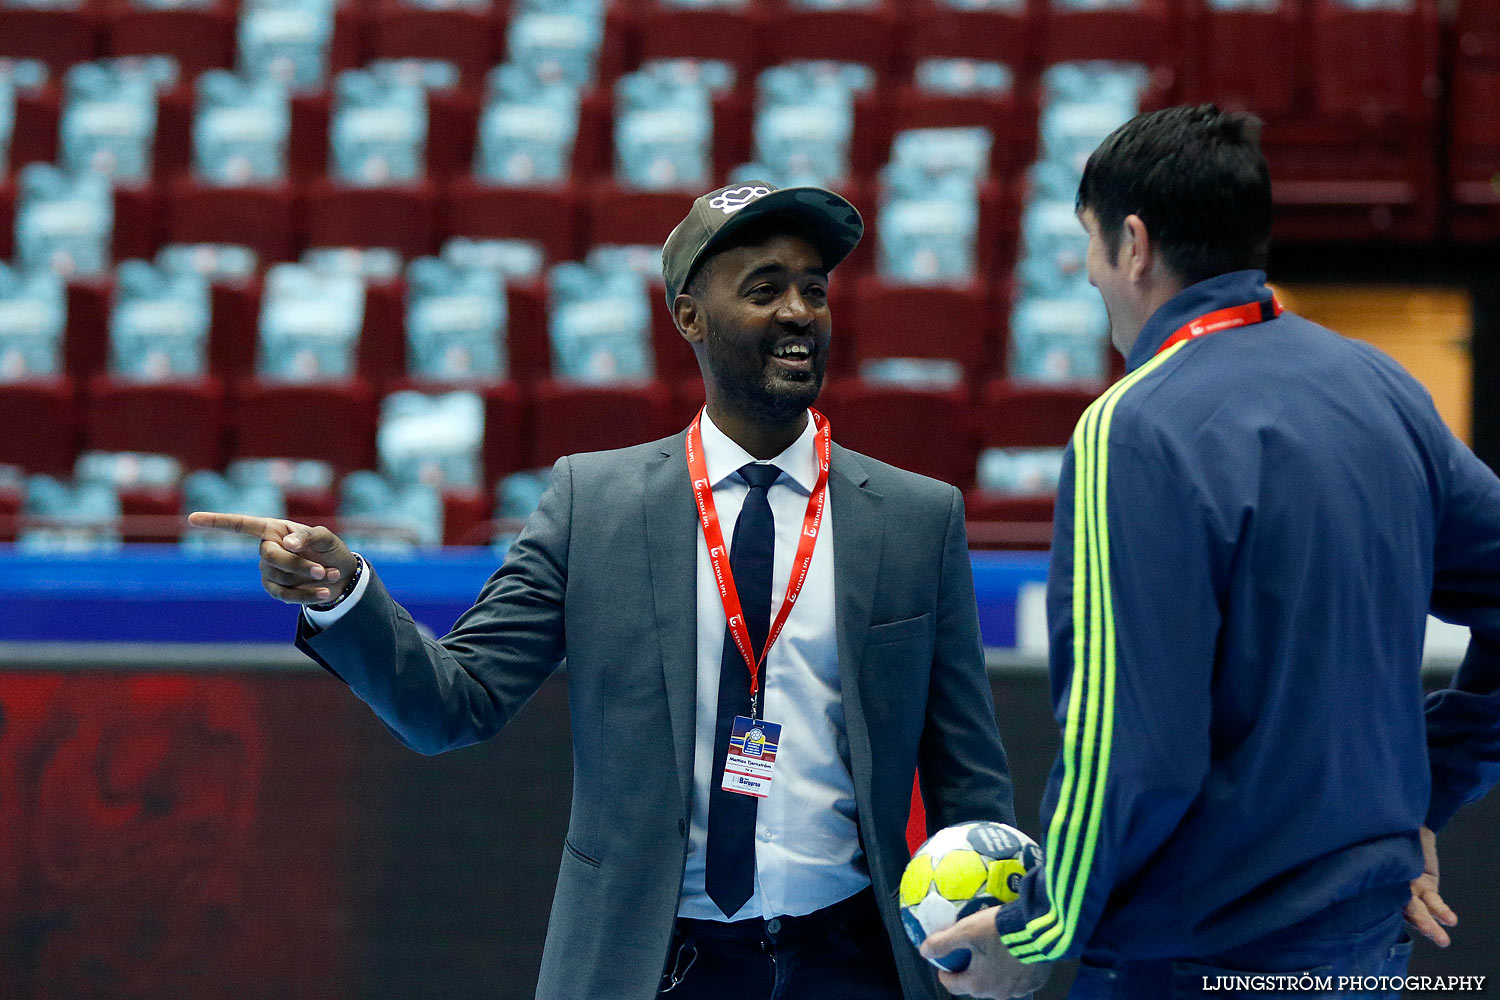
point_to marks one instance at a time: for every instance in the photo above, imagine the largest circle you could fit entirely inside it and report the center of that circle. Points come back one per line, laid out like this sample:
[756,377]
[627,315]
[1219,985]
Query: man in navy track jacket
[1252,527]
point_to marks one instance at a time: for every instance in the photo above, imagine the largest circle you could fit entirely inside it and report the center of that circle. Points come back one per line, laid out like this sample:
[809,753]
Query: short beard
[768,405]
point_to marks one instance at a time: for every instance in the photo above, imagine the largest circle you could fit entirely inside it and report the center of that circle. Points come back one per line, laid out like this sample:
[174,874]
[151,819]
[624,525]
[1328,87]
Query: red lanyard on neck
[1226,319]
[718,554]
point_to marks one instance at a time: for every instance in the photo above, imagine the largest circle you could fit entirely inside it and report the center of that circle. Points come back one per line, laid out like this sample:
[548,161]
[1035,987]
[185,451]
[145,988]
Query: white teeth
[791,351]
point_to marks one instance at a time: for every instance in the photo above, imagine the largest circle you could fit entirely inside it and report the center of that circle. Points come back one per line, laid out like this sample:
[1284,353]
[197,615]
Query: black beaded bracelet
[359,567]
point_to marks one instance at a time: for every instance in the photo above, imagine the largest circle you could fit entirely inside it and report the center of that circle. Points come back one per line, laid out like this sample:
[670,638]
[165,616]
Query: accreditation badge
[751,761]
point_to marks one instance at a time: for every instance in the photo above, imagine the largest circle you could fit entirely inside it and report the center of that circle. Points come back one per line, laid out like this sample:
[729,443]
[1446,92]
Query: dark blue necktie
[730,873]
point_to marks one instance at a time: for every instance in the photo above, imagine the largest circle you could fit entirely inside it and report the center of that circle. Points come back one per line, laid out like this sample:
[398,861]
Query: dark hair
[751,233]
[1198,180]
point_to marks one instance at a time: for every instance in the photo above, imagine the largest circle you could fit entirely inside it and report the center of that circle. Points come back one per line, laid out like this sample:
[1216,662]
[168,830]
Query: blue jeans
[1260,974]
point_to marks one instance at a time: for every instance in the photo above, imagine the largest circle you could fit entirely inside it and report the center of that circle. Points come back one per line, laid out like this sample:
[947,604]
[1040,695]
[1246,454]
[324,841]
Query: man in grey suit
[747,718]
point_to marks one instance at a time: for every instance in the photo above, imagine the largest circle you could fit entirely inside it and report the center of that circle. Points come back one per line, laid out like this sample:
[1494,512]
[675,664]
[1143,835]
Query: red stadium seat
[1022,416]
[1226,57]
[1146,34]
[549,215]
[870,146]
[261,218]
[172,153]
[137,221]
[687,399]
[1332,182]
[346,47]
[1013,415]
[1011,119]
[59,38]
[732,36]
[11,499]
[569,418]
[307,145]
[1475,157]
[232,340]
[184,419]
[507,429]
[734,125]
[1378,67]
[864,35]
[1476,108]
[312,506]
[617,52]
[48,410]
[926,431]
[381,354]
[526,331]
[162,504]
[86,349]
[907,321]
[939,32]
[505,423]
[330,421]
[7,219]
[674,356]
[452,128]
[403,218]
[593,150]
[35,137]
[465,38]
[199,38]
[999,521]
[1477,27]
[621,215]
[1475,208]
[465,512]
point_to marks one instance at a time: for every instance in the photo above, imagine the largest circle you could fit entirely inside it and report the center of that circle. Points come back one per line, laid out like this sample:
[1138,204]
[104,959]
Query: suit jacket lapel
[672,558]
[858,540]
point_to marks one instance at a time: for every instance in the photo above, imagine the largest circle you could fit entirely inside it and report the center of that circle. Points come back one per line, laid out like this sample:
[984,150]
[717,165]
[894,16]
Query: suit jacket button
[682,827]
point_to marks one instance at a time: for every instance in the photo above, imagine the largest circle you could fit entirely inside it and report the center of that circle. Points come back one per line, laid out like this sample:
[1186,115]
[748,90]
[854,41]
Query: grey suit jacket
[604,576]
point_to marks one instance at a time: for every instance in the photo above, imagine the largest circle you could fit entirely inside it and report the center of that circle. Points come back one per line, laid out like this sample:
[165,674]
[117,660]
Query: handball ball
[960,870]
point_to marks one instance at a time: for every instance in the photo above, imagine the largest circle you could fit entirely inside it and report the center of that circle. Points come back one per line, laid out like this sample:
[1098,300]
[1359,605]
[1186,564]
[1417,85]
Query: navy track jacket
[1251,529]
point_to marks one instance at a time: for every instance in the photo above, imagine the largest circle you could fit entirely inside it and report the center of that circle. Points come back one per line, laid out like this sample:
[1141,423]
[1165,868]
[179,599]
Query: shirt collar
[723,457]
[1234,288]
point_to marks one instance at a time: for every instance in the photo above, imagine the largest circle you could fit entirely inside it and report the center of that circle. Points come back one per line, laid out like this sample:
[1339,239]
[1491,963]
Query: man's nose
[794,309]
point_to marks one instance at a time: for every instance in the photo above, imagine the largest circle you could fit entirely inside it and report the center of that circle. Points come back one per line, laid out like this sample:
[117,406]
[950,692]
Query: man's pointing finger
[244,524]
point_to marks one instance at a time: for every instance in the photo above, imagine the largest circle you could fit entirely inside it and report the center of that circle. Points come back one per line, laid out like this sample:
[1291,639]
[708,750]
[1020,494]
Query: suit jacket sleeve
[961,760]
[437,695]
[1463,721]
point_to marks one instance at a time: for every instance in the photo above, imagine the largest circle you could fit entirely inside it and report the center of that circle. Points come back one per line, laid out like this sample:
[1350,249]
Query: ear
[688,315]
[1139,252]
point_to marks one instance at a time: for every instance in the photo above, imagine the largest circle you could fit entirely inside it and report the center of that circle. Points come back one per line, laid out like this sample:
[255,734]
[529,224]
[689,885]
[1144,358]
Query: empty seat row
[202,423]
[453,126]
[278,222]
[1370,63]
[873,319]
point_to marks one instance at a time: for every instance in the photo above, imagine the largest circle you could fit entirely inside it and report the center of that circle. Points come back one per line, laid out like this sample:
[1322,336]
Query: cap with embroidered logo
[832,222]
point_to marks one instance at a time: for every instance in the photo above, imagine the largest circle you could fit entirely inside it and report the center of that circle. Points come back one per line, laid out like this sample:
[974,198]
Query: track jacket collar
[1219,292]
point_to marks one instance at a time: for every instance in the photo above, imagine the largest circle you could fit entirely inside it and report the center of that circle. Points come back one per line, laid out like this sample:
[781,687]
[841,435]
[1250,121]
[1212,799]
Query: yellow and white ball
[960,870]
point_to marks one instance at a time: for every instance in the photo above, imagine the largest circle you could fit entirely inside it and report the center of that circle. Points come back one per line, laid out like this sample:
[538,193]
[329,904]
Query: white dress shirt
[807,853]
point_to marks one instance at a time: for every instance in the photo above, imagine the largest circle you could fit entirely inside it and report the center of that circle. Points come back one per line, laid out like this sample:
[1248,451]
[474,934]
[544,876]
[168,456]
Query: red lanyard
[718,555]
[1226,319]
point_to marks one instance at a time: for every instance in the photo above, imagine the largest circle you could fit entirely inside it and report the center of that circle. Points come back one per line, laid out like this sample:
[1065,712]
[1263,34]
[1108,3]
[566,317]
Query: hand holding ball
[960,870]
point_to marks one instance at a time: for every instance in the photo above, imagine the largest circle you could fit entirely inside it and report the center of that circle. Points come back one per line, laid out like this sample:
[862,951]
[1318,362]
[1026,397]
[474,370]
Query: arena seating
[1353,111]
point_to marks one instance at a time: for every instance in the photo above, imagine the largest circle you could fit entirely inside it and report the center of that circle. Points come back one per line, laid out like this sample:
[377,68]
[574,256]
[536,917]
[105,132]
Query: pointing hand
[298,564]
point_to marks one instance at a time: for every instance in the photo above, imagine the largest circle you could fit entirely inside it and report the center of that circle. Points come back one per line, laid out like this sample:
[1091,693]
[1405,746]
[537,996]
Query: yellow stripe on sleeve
[1088,732]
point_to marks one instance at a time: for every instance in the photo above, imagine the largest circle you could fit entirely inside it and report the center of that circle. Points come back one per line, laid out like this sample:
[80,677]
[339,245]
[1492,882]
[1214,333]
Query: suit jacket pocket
[902,631]
[589,860]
